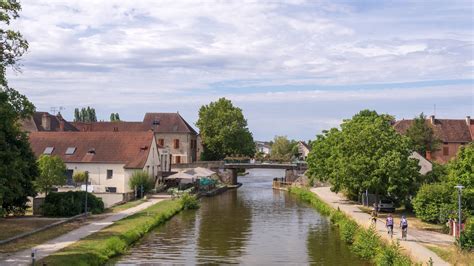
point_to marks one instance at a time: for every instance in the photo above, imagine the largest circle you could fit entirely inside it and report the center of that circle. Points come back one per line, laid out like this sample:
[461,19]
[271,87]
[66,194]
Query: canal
[251,225]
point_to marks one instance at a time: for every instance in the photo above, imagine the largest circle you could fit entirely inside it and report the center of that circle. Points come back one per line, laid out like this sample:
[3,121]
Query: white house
[263,147]
[109,157]
[303,150]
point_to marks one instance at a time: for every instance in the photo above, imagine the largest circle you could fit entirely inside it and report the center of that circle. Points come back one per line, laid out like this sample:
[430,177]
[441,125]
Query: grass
[363,242]
[114,240]
[414,221]
[121,207]
[10,227]
[453,255]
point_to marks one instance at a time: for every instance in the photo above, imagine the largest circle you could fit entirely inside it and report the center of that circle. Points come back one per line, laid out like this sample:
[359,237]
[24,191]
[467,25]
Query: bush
[466,241]
[366,243]
[65,204]
[189,202]
[348,230]
[141,179]
[434,202]
[391,256]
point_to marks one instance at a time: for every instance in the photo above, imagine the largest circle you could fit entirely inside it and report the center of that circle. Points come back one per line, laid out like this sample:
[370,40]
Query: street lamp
[459,187]
[85,204]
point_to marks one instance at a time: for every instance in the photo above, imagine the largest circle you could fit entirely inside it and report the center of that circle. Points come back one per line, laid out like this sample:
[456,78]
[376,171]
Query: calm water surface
[252,225]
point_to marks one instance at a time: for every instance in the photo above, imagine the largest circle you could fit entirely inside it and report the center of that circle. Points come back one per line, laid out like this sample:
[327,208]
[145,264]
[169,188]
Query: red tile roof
[119,126]
[447,130]
[129,148]
[34,123]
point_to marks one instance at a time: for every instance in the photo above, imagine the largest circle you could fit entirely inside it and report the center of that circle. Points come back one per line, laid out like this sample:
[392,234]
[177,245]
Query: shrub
[348,230]
[434,202]
[80,177]
[466,240]
[141,179]
[189,202]
[65,204]
[391,256]
[366,243]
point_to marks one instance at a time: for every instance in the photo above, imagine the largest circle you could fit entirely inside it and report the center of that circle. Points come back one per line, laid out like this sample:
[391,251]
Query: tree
[141,181]
[17,162]
[461,169]
[284,149]
[85,115]
[224,131]
[422,136]
[114,117]
[366,154]
[52,173]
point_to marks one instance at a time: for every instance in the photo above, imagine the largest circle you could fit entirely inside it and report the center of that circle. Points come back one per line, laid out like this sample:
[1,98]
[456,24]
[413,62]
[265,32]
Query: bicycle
[404,233]
[390,231]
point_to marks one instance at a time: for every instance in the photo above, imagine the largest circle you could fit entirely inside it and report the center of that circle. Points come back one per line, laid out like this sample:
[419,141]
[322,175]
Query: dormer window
[70,150]
[48,150]
[91,151]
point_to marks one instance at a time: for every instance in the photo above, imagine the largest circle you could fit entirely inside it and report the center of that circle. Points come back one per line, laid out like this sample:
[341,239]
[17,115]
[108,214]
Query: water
[252,225]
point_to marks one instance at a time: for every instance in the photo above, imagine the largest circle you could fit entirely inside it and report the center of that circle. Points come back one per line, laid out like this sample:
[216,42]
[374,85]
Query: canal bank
[340,209]
[252,225]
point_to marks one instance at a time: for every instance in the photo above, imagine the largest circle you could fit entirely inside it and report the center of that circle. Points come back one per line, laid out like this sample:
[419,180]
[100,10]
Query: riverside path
[413,246]
[24,257]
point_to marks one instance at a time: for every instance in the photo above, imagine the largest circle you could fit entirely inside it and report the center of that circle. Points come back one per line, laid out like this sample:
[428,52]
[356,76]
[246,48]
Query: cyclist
[404,226]
[389,224]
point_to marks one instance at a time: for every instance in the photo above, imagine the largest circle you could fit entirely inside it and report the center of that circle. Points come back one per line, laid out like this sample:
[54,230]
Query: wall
[98,174]
[152,165]
[110,199]
[187,154]
[438,155]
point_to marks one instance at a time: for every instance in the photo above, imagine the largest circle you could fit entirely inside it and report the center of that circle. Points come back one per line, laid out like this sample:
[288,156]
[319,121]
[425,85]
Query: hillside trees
[366,154]
[17,162]
[224,131]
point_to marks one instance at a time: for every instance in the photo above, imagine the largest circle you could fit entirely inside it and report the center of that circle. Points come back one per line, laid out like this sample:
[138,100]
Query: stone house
[453,133]
[110,157]
[303,150]
[171,132]
[44,121]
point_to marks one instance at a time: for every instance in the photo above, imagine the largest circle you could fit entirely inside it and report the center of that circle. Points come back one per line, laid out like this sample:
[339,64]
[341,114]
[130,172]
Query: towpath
[24,257]
[416,238]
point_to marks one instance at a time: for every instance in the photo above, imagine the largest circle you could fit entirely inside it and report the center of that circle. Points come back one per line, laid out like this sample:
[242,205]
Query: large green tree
[422,136]
[283,148]
[52,173]
[85,115]
[17,162]
[366,154]
[224,131]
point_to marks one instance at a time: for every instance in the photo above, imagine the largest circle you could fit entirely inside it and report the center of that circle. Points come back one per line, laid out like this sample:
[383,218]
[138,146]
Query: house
[425,165]
[303,150]
[453,133]
[44,121]
[110,158]
[171,132]
[263,147]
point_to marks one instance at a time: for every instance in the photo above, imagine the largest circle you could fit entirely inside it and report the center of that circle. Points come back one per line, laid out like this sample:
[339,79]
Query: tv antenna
[55,110]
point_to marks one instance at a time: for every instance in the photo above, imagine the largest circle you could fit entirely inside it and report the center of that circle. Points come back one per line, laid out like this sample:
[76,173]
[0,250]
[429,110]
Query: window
[445,151]
[110,173]
[176,143]
[161,142]
[111,189]
[70,150]
[48,150]
[177,159]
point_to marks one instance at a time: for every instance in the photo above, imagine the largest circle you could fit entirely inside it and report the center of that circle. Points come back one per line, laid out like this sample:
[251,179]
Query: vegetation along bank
[363,242]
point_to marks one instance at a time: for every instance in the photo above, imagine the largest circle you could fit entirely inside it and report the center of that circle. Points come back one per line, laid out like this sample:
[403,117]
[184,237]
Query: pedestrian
[404,226]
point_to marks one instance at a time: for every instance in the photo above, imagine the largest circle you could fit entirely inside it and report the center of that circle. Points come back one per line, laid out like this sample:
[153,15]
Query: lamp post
[459,187]
[85,204]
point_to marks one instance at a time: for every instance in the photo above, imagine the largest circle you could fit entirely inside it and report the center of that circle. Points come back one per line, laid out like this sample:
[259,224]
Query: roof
[129,148]
[158,122]
[33,123]
[168,123]
[305,145]
[447,130]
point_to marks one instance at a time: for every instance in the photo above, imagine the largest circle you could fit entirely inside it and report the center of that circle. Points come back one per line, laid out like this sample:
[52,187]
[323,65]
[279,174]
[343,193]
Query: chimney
[428,155]
[46,122]
[61,125]
[432,119]
[468,120]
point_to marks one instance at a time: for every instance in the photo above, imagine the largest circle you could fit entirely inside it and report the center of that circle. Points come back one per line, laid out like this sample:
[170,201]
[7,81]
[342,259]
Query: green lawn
[114,240]
[453,255]
[130,204]
[10,227]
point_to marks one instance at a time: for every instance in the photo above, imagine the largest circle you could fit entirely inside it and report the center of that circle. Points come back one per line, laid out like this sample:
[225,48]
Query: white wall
[98,174]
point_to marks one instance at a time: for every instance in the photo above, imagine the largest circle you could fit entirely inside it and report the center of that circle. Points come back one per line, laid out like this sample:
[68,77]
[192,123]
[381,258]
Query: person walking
[374,214]
[404,226]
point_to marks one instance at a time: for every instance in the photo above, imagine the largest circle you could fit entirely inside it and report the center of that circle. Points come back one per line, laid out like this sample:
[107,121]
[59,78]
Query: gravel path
[413,246]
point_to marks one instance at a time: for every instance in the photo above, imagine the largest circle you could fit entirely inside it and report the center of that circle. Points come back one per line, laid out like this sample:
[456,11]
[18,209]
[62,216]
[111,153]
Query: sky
[295,67]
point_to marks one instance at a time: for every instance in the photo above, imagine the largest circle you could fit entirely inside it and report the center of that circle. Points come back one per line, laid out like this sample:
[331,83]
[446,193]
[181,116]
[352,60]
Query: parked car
[386,205]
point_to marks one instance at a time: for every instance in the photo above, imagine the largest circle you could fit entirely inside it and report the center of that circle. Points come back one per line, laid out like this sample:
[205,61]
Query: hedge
[66,204]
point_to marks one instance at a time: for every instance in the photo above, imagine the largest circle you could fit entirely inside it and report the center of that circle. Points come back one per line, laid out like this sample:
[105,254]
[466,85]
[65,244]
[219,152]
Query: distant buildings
[453,134]
[263,147]
[303,150]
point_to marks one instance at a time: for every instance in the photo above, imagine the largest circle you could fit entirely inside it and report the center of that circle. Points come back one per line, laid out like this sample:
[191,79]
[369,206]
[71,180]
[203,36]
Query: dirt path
[54,245]
[413,246]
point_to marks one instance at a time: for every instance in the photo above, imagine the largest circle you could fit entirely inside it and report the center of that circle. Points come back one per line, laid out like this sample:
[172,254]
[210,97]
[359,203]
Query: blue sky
[294,67]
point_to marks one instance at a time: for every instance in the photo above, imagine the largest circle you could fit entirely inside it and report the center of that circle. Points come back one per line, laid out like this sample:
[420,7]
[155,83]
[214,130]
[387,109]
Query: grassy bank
[114,240]
[366,243]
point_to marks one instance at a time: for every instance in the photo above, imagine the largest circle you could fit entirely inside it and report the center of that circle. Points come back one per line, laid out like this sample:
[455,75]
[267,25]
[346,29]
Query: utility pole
[459,187]
[87,181]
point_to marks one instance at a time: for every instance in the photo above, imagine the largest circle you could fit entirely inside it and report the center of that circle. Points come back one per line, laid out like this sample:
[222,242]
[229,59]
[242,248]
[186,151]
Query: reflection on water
[252,225]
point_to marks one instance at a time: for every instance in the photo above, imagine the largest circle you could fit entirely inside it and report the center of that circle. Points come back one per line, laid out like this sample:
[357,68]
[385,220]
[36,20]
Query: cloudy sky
[294,67]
